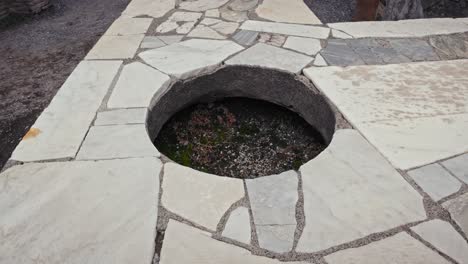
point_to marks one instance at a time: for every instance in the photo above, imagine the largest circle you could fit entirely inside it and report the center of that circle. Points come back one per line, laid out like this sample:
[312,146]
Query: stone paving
[86,184]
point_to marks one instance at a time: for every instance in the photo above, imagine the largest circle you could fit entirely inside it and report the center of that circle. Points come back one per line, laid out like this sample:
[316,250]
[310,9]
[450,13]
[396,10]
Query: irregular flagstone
[225,28]
[202,31]
[287,29]
[320,61]
[245,37]
[121,117]
[294,11]
[415,49]
[243,5]
[119,141]
[153,8]
[401,28]
[191,57]
[152,42]
[458,209]
[199,197]
[376,51]
[341,184]
[273,202]
[185,244]
[435,181]
[442,236]
[201,5]
[129,26]
[233,15]
[175,22]
[404,108]
[79,212]
[212,13]
[339,53]
[450,47]
[274,40]
[213,28]
[458,166]
[400,248]
[171,39]
[137,85]
[238,226]
[61,128]
[115,47]
[340,35]
[305,45]
[263,55]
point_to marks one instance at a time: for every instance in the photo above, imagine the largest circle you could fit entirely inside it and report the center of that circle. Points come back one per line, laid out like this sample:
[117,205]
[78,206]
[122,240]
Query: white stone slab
[278,239]
[191,57]
[442,236]
[400,248]
[115,47]
[171,39]
[435,181]
[202,5]
[238,226]
[295,11]
[263,55]
[199,197]
[79,212]
[458,166]
[120,141]
[202,31]
[212,13]
[357,193]
[137,85]
[305,45]
[402,28]
[404,108]
[340,34]
[153,8]
[61,128]
[185,244]
[458,209]
[320,61]
[152,42]
[287,29]
[121,117]
[226,28]
[129,26]
[175,22]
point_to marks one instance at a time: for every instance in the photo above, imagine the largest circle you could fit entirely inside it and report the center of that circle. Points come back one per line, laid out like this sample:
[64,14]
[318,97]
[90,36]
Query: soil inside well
[240,138]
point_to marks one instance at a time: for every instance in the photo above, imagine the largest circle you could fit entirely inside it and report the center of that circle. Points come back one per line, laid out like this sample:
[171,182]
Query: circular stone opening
[241,122]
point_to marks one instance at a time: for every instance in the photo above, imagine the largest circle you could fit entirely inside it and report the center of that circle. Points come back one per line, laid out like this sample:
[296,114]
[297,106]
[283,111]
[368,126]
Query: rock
[414,49]
[304,45]
[458,166]
[199,197]
[115,47]
[442,236]
[137,85]
[450,47]
[287,29]
[403,9]
[225,28]
[121,117]
[338,53]
[238,226]
[400,248]
[79,212]
[201,5]
[212,13]
[262,55]
[295,11]
[59,131]
[152,42]
[458,209]
[274,40]
[152,8]
[435,181]
[171,39]
[205,32]
[341,183]
[243,5]
[234,16]
[245,37]
[374,51]
[182,22]
[129,26]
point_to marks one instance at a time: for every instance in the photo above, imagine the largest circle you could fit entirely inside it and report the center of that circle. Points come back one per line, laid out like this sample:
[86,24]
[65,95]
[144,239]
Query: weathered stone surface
[243,5]
[181,22]
[435,181]
[305,45]
[442,236]
[120,141]
[201,5]
[338,53]
[199,197]
[191,57]
[458,166]
[153,8]
[458,209]
[61,128]
[115,47]
[152,42]
[219,26]
[404,109]
[245,37]
[185,244]
[402,28]
[272,39]
[450,47]
[287,29]
[202,31]
[233,15]
[341,184]
[340,35]
[263,55]
[129,26]
[400,248]
[137,85]
[414,49]
[320,61]
[171,39]
[121,117]
[238,226]
[79,212]
[278,239]
[295,11]
[212,13]
[375,51]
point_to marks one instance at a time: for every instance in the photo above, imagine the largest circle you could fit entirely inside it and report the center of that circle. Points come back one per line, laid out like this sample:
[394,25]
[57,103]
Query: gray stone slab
[238,226]
[79,212]
[400,248]
[450,47]
[245,37]
[338,53]
[351,191]
[414,49]
[435,181]
[263,55]
[458,166]
[121,117]
[445,238]
[61,128]
[119,141]
[458,209]
[115,47]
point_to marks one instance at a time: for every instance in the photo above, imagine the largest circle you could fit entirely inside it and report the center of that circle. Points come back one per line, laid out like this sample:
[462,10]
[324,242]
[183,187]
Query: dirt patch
[239,137]
[38,54]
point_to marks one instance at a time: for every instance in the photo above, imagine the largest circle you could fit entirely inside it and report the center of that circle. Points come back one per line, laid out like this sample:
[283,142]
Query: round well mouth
[224,88]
